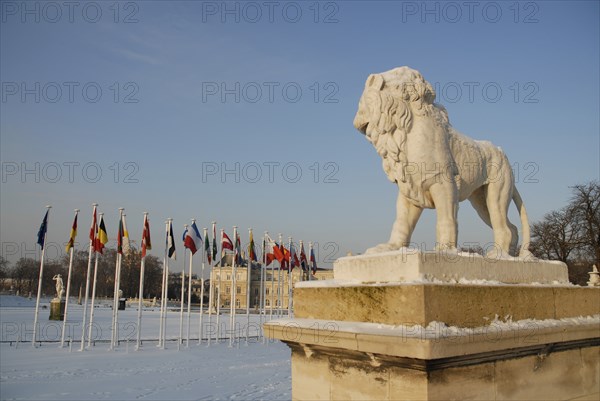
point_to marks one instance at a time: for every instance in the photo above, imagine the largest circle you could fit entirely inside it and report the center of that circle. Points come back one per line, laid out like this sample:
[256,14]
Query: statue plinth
[352,339]
[409,265]
[57,309]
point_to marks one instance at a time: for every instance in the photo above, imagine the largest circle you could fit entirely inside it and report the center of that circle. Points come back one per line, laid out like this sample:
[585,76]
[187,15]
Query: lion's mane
[404,96]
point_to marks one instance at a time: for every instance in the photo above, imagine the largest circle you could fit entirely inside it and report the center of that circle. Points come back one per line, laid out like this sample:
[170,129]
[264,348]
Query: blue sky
[163,124]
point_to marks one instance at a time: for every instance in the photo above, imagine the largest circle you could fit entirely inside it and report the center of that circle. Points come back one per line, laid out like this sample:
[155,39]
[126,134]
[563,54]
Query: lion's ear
[375,81]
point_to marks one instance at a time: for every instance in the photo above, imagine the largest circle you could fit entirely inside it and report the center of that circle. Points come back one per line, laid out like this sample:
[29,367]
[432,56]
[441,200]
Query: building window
[228,290]
[267,302]
[229,277]
[237,303]
[268,291]
[238,290]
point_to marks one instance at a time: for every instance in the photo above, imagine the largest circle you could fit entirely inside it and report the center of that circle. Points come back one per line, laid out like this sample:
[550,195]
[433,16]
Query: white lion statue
[434,165]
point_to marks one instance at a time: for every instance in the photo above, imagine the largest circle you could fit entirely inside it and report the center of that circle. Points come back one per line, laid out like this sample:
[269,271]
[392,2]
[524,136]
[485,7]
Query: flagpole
[249,277]
[301,253]
[201,331]
[114,340]
[167,285]
[162,290]
[64,326]
[89,272]
[211,296]
[261,307]
[39,292]
[233,289]
[272,290]
[279,283]
[141,291]
[89,342]
[182,295]
[189,296]
[210,305]
[310,252]
[290,268]
[115,336]
[219,291]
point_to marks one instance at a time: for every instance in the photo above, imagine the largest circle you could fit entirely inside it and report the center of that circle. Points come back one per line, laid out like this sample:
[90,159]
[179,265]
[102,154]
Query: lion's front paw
[385,247]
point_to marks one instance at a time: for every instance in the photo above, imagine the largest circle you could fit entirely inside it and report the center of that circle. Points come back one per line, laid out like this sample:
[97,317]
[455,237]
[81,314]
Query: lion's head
[386,110]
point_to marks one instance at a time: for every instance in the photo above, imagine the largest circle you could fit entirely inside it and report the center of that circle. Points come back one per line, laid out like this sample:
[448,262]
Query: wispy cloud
[136,56]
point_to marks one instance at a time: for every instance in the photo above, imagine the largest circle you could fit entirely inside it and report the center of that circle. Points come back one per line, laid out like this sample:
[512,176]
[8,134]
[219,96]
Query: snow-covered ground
[246,371]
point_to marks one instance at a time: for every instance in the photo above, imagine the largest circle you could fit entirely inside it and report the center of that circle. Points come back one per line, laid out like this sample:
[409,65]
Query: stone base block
[57,309]
[454,304]
[361,361]
[408,265]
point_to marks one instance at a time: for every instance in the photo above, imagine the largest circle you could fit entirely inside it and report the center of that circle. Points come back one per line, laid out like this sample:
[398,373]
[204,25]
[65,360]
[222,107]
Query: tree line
[24,275]
[572,234]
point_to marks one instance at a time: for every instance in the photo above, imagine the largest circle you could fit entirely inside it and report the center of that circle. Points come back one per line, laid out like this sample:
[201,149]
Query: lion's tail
[524,223]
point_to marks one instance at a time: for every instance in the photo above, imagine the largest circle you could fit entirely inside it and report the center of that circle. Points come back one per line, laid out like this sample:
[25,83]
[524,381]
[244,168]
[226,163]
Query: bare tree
[24,275]
[4,270]
[572,234]
[557,236]
[586,206]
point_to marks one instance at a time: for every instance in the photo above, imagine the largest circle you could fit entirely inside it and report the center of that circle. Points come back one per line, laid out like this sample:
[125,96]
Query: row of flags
[192,240]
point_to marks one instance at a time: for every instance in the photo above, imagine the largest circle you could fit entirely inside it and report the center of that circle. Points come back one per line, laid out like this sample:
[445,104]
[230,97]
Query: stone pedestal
[57,309]
[354,340]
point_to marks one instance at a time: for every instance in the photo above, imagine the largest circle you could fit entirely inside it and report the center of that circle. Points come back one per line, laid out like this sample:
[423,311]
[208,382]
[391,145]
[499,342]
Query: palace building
[276,284]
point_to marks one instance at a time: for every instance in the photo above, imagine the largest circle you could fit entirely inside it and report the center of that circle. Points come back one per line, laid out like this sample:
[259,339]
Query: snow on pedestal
[448,266]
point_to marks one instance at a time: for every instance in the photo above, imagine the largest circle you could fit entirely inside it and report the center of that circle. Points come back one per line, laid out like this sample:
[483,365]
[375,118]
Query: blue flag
[42,231]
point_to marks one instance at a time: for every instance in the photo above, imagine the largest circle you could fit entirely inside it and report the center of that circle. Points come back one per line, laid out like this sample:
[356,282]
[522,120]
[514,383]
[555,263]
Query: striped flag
[146,243]
[192,239]
[251,251]
[43,230]
[94,227]
[295,260]
[226,243]
[171,242]
[71,242]
[303,262]
[272,250]
[214,244]
[125,240]
[120,237]
[101,237]
[238,250]
[207,249]
[285,262]
[313,261]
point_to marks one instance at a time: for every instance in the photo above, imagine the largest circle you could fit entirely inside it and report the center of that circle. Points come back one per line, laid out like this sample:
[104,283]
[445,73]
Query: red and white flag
[146,243]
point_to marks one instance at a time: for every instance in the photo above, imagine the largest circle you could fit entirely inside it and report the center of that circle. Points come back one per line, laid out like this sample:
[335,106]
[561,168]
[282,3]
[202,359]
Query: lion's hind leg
[498,198]
[479,201]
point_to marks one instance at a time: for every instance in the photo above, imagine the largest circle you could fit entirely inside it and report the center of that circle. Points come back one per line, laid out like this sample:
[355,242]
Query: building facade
[275,287]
